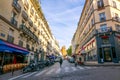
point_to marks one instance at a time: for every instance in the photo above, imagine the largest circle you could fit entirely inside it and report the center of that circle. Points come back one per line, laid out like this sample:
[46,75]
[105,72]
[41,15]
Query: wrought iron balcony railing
[24,15]
[13,21]
[29,33]
[103,30]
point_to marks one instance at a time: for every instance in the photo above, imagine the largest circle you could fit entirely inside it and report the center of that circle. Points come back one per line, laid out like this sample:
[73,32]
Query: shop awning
[7,47]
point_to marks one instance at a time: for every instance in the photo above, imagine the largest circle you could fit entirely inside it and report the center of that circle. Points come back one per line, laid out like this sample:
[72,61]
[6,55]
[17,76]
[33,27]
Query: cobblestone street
[69,72]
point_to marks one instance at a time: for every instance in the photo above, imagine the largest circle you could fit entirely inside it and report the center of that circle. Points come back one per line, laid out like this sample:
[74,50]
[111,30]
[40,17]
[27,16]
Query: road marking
[74,69]
[41,73]
[81,67]
[49,72]
[67,69]
[29,75]
[58,71]
[88,67]
[17,76]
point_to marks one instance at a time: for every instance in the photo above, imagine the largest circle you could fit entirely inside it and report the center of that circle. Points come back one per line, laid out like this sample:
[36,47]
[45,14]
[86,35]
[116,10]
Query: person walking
[61,61]
[76,63]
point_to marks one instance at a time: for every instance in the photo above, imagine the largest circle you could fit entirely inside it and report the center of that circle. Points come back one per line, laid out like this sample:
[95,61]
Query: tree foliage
[69,51]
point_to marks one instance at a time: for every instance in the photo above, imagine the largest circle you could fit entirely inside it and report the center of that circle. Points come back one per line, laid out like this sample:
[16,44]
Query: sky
[62,17]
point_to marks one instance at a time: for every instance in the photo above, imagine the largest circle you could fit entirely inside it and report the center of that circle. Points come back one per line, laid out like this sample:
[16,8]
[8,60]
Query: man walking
[61,61]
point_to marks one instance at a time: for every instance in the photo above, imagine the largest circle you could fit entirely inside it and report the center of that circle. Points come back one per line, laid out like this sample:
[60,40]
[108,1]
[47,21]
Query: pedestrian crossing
[52,71]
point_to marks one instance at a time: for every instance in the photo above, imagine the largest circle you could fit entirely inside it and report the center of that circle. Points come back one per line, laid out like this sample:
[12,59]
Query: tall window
[10,37]
[92,22]
[20,43]
[117,27]
[102,16]
[114,4]
[103,27]
[100,4]
[13,20]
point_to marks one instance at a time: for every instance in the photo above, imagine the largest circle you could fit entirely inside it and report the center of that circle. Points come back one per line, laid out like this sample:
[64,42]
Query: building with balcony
[24,33]
[97,37]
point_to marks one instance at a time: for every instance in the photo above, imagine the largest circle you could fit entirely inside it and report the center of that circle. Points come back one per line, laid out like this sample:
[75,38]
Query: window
[114,4]
[10,37]
[92,22]
[102,17]
[20,43]
[100,53]
[103,28]
[113,52]
[100,4]
[28,47]
[13,20]
[117,27]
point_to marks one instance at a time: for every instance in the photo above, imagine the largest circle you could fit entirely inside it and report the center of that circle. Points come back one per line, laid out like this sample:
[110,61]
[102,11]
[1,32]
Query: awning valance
[7,47]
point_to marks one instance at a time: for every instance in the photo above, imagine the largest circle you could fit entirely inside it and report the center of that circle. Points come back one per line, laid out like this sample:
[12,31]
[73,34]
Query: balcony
[116,19]
[13,21]
[16,6]
[26,31]
[104,30]
[24,15]
[30,22]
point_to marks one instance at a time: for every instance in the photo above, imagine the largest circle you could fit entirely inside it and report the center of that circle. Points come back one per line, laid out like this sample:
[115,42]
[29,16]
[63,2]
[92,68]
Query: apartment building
[24,33]
[97,37]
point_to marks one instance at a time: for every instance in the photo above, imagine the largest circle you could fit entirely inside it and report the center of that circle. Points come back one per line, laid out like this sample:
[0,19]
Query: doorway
[107,54]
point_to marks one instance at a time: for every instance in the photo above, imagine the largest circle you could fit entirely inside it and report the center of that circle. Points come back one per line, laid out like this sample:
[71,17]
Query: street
[69,72]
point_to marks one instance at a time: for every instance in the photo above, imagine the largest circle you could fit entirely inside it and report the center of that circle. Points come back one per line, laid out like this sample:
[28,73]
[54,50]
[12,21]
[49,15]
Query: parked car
[71,60]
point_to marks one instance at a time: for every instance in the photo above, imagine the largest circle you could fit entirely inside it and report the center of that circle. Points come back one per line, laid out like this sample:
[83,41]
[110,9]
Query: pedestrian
[61,61]
[76,63]
[12,70]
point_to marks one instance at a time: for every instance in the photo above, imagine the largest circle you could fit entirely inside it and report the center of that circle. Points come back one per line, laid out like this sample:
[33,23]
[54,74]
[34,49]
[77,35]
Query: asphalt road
[69,72]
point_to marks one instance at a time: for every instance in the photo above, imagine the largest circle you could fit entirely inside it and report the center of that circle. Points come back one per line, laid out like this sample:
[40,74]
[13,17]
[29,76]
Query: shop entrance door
[107,54]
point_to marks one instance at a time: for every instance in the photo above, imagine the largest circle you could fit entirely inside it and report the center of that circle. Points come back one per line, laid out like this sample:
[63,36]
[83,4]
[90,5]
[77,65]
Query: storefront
[11,56]
[107,48]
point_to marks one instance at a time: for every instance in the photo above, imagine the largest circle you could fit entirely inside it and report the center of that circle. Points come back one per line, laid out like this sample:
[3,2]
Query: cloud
[63,18]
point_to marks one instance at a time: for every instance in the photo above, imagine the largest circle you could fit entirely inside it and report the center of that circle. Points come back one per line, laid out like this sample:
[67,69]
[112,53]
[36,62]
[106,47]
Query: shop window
[113,52]
[102,16]
[100,53]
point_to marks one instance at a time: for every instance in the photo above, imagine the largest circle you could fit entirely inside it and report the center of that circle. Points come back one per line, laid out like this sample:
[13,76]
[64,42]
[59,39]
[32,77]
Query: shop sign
[106,45]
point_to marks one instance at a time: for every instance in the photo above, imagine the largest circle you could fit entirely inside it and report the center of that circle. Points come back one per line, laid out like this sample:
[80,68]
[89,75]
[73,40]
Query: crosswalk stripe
[74,69]
[17,76]
[58,71]
[49,72]
[81,67]
[40,72]
[66,69]
[88,67]
[29,75]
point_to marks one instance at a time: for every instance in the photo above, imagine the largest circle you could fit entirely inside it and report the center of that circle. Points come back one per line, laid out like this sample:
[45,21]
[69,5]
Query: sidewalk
[101,64]
[9,75]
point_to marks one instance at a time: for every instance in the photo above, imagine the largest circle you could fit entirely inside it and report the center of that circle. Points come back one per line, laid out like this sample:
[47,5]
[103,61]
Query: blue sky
[62,17]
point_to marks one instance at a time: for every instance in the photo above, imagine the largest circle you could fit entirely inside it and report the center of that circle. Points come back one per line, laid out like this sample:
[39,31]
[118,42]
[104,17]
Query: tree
[69,51]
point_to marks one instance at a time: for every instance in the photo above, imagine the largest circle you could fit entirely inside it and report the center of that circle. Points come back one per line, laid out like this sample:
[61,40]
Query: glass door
[107,54]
